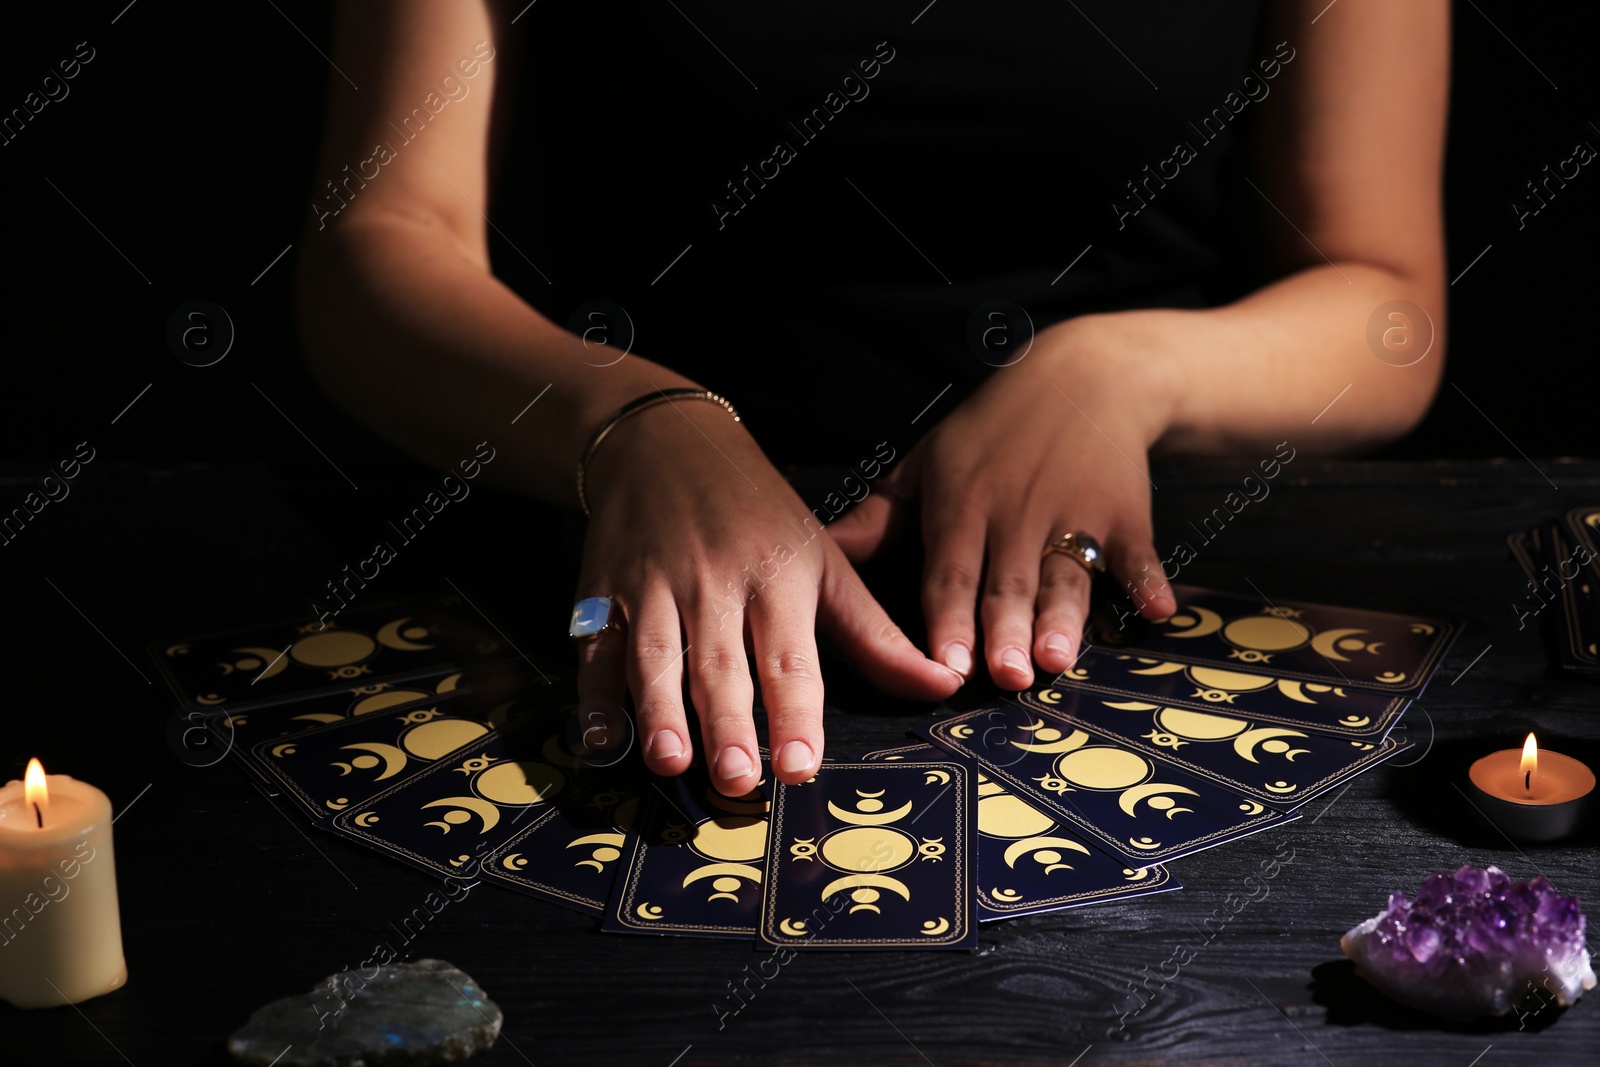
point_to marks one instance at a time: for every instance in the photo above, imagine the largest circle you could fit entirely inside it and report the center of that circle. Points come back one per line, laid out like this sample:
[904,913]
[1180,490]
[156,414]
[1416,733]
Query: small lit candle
[1532,795]
[60,935]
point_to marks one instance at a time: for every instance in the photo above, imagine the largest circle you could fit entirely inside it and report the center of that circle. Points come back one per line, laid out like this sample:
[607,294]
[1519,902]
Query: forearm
[416,339]
[1268,367]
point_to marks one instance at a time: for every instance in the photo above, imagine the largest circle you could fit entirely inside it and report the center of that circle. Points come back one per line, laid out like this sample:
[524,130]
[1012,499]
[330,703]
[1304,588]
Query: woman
[834,219]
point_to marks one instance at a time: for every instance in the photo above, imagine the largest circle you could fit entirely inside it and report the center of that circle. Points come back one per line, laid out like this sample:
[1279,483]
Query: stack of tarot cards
[407,729]
[1561,559]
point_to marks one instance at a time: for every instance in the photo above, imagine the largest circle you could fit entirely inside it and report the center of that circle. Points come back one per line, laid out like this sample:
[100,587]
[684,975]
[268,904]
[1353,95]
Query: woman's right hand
[708,552]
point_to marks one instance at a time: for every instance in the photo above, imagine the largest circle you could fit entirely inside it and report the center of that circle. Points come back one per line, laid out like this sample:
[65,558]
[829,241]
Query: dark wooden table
[229,900]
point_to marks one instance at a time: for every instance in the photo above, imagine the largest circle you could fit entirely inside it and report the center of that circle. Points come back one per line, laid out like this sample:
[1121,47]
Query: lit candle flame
[35,790]
[1530,763]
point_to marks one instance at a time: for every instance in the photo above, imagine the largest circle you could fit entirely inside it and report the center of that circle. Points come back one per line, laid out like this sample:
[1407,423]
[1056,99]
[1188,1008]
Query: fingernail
[1058,644]
[958,657]
[1014,659]
[733,764]
[665,745]
[794,757]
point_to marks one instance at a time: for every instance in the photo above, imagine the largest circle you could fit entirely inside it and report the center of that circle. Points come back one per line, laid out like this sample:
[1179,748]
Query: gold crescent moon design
[1129,800]
[649,911]
[274,658]
[1281,788]
[936,777]
[178,650]
[1130,705]
[1327,641]
[793,927]
[1294,691]
[1234,681]
[1425,629]
[1131,875]
[851,881]
[513,862]
[1355,720]
[934,929]
[389,636]
[1034,844]
[1076,739]
[1245,744]
[286,749]
[1049,696]
[1199,725]
[387,698]
[318,716]
[1010,896]
[857,818]
[1144,844]
[1392,677]
[1159,669]
[366,818]
[344,768]
[478,806]
[1251,807]
[1076,673]
[712,870]
[440,737]
[337,804]
[1206,622]
[394,760]
[614,840]
[961,730]
[333,648]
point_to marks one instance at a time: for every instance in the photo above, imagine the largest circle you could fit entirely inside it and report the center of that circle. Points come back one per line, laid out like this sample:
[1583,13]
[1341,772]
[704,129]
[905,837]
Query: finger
[655,674]
[784,631]
[1063,605]
[1134,561]
[861,531]
[850,617]
[950,585]
[1010,591]
[720,686]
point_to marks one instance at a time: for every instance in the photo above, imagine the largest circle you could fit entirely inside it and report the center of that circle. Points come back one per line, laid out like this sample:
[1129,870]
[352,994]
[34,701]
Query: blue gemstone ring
[591,617]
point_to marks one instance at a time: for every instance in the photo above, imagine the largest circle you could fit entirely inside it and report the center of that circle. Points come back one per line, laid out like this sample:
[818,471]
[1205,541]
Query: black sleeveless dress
[831,211]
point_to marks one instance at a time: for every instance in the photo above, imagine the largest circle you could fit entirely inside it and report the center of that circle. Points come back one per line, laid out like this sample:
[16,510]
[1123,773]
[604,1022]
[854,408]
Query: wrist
[1123,361]
[659,425]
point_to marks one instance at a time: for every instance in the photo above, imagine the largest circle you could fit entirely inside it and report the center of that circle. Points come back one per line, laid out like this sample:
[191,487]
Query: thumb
[862,530]
[854,620]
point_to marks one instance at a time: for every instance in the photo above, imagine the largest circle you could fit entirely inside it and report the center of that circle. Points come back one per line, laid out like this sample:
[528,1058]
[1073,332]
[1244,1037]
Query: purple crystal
[1475,943]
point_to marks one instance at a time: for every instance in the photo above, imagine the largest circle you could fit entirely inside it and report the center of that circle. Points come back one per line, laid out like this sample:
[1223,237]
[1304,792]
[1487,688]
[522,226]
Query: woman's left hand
[1053,444]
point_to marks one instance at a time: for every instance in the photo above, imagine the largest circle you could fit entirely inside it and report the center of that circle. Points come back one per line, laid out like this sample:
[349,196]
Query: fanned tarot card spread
[332,767]
[1028,863]
[1141,809]
[694,861]
[1331,646]
[570,853]
[451,815]
[1278,765]
[872,855]
[1260,697]
[391,642]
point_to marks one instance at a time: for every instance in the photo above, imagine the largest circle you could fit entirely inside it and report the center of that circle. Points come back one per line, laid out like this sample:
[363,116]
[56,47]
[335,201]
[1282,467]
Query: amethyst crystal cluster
[1473,943]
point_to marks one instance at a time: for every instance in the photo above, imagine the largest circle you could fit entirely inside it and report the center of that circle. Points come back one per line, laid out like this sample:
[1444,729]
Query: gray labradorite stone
[406,1014]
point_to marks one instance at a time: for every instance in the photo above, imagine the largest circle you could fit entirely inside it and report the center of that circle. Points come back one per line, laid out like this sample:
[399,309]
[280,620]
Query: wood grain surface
[230,900]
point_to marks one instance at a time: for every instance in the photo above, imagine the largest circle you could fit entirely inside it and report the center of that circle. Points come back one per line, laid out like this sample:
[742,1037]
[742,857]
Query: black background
[189,141]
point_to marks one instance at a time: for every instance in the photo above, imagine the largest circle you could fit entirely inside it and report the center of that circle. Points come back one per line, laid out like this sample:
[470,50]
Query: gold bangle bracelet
[633,407]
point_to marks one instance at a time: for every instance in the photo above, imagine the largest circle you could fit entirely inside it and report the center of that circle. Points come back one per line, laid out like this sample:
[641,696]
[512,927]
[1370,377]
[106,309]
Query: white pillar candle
[60,936]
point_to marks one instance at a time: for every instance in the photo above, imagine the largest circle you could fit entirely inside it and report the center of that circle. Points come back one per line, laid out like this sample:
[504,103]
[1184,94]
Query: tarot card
[329,768]
[449,816]
[1141,809]
[1028,863]
[1582,530]
[872,855]
[694,863]
[1329,709]
[1331,646]
[1578,632]
[570,853]
[1274,764]
[397,641]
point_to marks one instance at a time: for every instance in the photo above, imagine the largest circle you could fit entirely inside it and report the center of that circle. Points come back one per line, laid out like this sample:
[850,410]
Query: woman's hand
[1053,444]
[708,551]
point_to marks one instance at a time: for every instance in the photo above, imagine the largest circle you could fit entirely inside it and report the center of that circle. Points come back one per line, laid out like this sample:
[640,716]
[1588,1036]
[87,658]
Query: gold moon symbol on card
[1232,681]
[318,716]
[1001,814]
[1250,807]
[1202,622]
[934,929]
[1199,725]
[1245,744]
[391,636]
[1010,896]
[441,737]
[1154,794]
[394,760]
[1391,677]
[725,879]
[1049,739]
[867,848]
[936,777]
[1103,767]
[1136,876]
[286,749]
[610,848]
[649,911]
[335,648]
[461,811]
[731,838]
[792,927]
[1049,696]
[1044,851]
[387,698]
[514,862]
[1281,788]
[961,730]
[337,803]
[272,658]
[865,881]
[1144,844]
[1294,691]
[867,818]
[1159,668]
[1266,633]
[1330,641]
[366,818]
[518,782]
